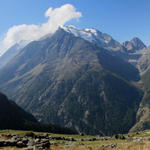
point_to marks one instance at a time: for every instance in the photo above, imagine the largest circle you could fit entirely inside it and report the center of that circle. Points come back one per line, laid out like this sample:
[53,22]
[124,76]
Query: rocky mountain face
[12,116]
[144,62]
[143,120]
[67,80]
[142,117]
[134,45]
[134,51]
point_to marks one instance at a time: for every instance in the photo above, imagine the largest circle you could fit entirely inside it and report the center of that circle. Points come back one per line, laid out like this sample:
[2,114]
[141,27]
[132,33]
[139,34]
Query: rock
[90,139]
[21,144]
[30,134]
[25,140]
[7,135]
[139,140]
[29,148]
[119,136]
[45,135]
[81,134]
[42,143]
[93,139]
[55,143]
[113,145]
[56,138]
[7,143]
[68,139]
[89,148]
[110,146]
[37,140]
[30,142]
[15,138]
[1,143]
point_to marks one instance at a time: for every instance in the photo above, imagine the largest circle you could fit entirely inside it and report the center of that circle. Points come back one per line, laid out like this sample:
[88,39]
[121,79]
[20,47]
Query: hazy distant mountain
[70,81]
[4,59]
[11,53]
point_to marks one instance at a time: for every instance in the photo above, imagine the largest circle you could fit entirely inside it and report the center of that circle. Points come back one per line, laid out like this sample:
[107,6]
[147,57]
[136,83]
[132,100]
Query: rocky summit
[134,45]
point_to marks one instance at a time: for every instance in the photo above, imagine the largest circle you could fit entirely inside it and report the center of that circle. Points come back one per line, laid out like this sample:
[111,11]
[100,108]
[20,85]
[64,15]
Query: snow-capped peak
[91,30]
[89,34]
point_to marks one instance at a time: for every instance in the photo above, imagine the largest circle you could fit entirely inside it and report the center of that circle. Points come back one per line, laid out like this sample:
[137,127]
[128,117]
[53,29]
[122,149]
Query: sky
[122,19]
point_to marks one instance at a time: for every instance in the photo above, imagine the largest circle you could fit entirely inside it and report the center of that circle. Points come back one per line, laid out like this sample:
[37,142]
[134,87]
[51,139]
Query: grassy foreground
[133,141]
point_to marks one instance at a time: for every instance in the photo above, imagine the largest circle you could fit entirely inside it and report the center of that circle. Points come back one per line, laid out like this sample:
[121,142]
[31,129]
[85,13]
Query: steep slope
[67,80]
[135,50]
[143,120]
[12,116]
[144,62]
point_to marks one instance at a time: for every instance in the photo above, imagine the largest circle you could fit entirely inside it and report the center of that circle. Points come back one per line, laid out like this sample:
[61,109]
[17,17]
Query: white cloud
[56,17]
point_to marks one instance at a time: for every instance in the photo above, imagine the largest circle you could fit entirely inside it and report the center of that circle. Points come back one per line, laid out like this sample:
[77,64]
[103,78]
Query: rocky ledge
[30,141]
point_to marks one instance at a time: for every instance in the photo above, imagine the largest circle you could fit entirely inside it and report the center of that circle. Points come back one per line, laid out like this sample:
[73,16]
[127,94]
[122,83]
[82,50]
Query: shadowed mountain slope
[12,116]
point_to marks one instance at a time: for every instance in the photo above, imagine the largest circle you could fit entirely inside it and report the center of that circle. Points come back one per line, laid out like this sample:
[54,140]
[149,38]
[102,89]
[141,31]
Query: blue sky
[122,19]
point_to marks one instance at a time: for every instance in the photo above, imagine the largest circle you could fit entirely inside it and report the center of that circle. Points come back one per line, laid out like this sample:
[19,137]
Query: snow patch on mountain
[89,34]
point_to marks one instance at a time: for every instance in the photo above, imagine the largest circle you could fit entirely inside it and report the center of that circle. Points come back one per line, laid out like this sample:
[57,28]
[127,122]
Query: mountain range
[82,79]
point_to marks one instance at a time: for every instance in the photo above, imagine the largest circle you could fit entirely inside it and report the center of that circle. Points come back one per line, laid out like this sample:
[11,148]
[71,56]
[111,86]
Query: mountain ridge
[78,78]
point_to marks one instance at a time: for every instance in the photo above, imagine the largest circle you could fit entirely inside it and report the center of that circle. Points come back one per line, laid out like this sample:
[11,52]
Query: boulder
[21,144]
[30,134]
[120,136]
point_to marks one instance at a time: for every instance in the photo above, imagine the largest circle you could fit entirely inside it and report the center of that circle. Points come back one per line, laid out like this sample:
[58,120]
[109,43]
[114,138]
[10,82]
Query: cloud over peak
[56,17]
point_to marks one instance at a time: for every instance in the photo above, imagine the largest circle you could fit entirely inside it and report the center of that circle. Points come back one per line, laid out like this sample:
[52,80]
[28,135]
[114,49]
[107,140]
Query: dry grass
[92,145]
[101,146]
[97,146]
[10,148]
